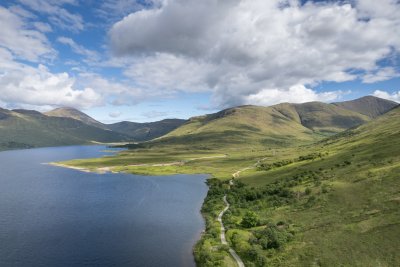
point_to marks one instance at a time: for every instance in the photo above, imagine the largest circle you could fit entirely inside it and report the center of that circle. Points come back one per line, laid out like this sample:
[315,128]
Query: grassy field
[331,203]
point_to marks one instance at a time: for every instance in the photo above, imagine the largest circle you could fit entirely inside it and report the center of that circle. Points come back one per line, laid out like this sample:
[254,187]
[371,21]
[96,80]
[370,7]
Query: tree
[250,219]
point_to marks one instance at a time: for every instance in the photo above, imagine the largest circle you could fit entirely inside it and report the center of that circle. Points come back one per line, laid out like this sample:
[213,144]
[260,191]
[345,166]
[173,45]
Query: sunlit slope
[344,203]
[282,124]
[240,126]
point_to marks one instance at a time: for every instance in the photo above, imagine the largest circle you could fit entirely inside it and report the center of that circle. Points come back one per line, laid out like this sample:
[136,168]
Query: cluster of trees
[281,163]
[273,236]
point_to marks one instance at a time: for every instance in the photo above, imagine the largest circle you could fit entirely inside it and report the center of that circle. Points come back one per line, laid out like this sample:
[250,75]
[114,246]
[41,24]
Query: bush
[250,219]
[272,237]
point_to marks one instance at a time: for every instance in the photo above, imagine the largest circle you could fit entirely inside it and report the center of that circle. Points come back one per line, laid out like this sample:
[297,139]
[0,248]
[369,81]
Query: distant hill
[146,131]
[27,128]
[368,105]
[276,125]
[136,131]
[72,113]
[321,117]
[240,126]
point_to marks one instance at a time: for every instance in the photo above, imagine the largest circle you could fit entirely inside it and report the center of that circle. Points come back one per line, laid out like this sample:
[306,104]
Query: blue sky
[149,60]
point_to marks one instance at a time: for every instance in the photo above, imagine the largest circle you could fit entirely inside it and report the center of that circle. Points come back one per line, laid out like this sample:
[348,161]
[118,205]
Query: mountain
[72,113]
[28,128]
[368,105]
[275,125]
[146,131]
[338,199]
[239,126]
[321,117]
[137,131]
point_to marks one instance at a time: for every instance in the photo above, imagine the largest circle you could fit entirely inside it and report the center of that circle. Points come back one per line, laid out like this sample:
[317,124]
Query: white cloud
[295,94]
[237,48]
[381,75]
[57,15]
[395,96]
[23,42]
[23,85]
[79,49]
[170,73]
[43,27]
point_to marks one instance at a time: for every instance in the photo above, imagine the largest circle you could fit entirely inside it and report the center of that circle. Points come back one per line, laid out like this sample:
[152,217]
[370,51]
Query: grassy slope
[240,126]
[24,129]
[348,217]
[283,124]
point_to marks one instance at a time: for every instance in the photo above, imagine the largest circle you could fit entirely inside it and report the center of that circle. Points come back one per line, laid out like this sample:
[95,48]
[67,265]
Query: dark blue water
[51,216]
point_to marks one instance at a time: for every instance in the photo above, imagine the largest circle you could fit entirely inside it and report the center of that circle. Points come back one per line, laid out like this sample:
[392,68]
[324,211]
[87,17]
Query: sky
[147,60]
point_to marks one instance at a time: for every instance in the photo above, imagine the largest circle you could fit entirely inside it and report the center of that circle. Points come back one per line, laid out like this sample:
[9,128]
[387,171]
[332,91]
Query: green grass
[27,129]
[340,209]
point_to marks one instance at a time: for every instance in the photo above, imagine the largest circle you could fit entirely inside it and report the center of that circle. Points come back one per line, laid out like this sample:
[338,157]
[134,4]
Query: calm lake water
[51,216]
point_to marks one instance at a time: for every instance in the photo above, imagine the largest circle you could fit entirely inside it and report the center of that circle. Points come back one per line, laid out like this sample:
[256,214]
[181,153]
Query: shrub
[250,219]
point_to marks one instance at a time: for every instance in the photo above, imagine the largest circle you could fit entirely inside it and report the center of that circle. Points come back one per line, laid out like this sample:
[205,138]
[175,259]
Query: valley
[301,199]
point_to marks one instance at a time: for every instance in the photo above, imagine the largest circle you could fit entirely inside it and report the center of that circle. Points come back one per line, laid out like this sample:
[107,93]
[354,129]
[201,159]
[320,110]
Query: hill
[323,118]
[368,105]
[146,131]
[27,128]
[239,126]
[281,124]
[330,203]
[136,131]
[334,203]
[72,113]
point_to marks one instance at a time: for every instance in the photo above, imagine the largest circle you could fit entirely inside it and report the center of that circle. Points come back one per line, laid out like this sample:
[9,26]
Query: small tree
[250,219]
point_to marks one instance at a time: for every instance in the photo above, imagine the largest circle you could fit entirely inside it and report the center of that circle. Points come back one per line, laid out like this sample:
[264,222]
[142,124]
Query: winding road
[223,239]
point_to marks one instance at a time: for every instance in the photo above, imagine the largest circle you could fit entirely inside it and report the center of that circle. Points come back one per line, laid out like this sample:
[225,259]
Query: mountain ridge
[279,124]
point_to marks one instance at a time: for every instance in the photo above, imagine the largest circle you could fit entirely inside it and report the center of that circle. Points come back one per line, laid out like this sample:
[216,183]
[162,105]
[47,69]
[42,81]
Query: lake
[52,216]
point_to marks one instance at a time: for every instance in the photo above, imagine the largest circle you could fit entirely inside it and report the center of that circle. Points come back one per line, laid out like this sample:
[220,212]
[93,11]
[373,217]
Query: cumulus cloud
[243,49]
[295,94]
[381,75]
[24,85]
[395,96]
[23,42]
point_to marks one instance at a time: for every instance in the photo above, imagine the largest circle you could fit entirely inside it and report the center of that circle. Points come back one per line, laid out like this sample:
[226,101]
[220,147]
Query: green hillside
[334,203]
[146,131]
[282,124]
[26,129]
[330,203]
[135,131]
